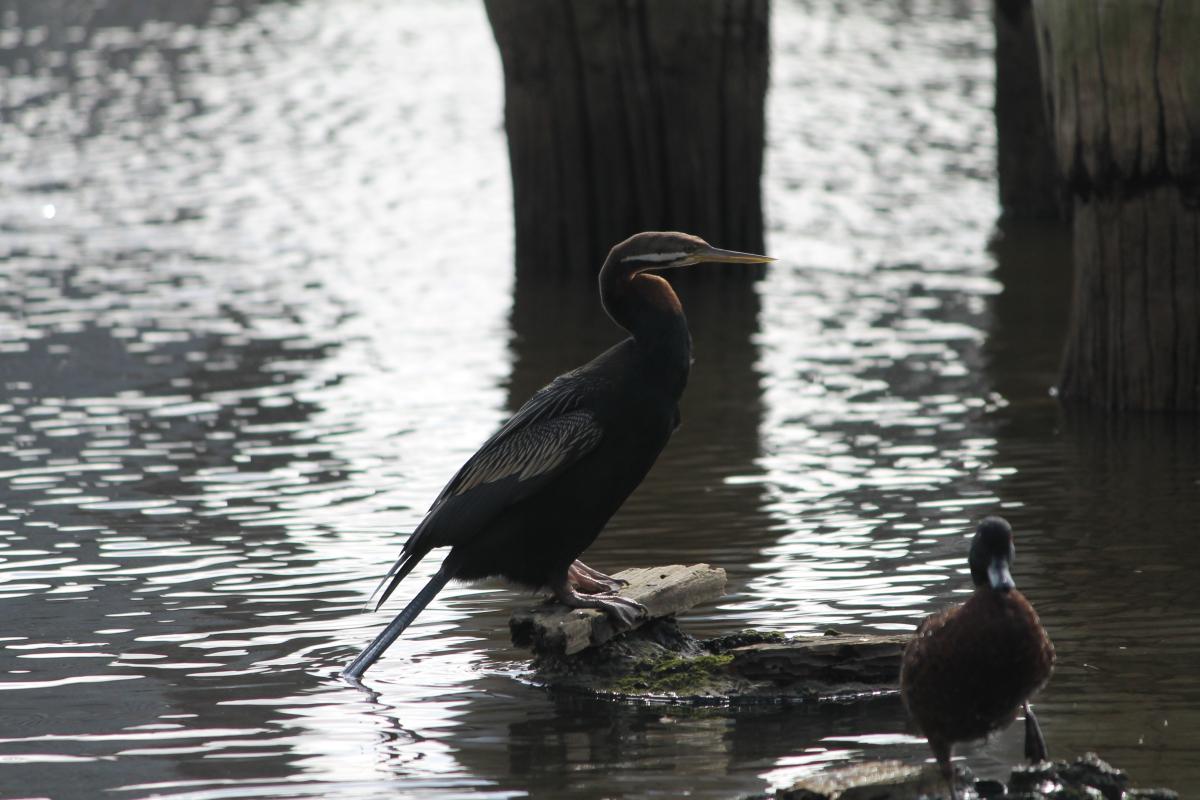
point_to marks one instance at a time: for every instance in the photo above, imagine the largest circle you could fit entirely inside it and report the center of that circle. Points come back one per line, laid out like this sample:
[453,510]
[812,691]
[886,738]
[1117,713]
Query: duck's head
[992,554]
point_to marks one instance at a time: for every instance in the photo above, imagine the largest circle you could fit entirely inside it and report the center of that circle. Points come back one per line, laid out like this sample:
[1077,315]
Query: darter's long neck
[647,307]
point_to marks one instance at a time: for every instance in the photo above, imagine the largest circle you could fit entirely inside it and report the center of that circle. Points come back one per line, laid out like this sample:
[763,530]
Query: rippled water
[257,304]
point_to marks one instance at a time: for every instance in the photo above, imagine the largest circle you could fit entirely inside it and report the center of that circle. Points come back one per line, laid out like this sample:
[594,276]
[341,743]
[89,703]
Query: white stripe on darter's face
[656,258]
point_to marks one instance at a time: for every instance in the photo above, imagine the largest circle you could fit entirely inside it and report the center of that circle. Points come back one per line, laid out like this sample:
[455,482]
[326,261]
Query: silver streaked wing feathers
[551,424]
[532,451]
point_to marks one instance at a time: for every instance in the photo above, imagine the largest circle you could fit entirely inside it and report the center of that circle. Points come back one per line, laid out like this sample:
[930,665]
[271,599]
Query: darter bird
[537,493]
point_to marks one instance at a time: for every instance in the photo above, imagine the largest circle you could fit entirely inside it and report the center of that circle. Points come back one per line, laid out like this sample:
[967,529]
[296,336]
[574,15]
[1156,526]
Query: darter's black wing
[552,431]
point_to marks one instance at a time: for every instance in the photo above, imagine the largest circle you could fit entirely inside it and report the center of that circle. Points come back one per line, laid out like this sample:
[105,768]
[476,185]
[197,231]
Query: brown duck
[971,668]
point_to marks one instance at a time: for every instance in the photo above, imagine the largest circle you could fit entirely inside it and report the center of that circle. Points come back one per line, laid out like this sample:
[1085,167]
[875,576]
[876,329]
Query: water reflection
[581,747]
[257,307]
[198,421]
[877,439]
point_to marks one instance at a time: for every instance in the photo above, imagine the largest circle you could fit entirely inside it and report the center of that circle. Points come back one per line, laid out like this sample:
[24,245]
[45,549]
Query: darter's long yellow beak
[716,254]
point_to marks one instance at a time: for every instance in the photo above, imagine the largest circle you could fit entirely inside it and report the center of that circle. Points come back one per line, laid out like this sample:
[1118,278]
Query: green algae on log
[673,675]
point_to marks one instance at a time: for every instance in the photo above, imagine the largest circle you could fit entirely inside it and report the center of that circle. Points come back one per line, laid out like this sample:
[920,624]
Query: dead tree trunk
[628,115]
[1123,84]
[1030,187]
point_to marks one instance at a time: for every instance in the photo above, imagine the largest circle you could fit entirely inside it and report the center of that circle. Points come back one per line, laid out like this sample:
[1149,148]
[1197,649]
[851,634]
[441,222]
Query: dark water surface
[257,304]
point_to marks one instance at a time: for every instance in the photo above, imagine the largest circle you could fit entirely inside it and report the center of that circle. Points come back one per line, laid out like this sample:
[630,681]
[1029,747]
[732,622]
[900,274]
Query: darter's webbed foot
[592,581]
[627,613]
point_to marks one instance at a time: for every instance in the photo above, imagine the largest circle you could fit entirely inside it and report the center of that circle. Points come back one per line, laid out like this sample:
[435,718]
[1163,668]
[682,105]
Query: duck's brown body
[969,669]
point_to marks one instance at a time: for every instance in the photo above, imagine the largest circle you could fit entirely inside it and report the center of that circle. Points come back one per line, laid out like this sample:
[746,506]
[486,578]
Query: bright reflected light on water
[249,351]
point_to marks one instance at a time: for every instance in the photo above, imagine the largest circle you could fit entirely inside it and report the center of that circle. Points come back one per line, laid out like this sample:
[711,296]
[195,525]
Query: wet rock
[988,789]
[1087,773]
[1087,778]
[875,780]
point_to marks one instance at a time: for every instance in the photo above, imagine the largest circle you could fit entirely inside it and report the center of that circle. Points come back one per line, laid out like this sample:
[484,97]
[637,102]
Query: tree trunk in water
[1123,84]
[1030,186]
[630,115]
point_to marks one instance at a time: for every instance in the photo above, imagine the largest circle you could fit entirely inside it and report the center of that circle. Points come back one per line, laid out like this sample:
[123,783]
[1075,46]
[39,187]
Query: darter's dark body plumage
[537,493]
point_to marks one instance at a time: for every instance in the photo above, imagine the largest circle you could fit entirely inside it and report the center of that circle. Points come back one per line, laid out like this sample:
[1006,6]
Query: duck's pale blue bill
[999,576]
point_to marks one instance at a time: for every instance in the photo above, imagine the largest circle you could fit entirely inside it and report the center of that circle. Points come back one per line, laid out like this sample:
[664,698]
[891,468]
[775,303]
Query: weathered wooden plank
[664,591]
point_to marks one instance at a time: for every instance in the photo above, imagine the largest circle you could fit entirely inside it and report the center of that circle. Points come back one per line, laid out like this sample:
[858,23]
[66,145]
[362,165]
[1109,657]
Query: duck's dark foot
[625,611]
[592,581]
[1035,743]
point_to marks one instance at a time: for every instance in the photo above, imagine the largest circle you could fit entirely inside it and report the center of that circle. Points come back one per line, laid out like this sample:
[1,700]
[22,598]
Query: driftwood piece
[664,591]
[873,660]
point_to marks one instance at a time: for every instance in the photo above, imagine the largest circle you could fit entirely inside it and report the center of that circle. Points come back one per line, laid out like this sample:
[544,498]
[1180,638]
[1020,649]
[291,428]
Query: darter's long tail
[389,634]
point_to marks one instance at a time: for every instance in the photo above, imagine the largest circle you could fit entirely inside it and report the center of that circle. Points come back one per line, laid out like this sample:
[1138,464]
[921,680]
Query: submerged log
[579,649]
[660,662]
[552,628]
[872,660]
[1123,85]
